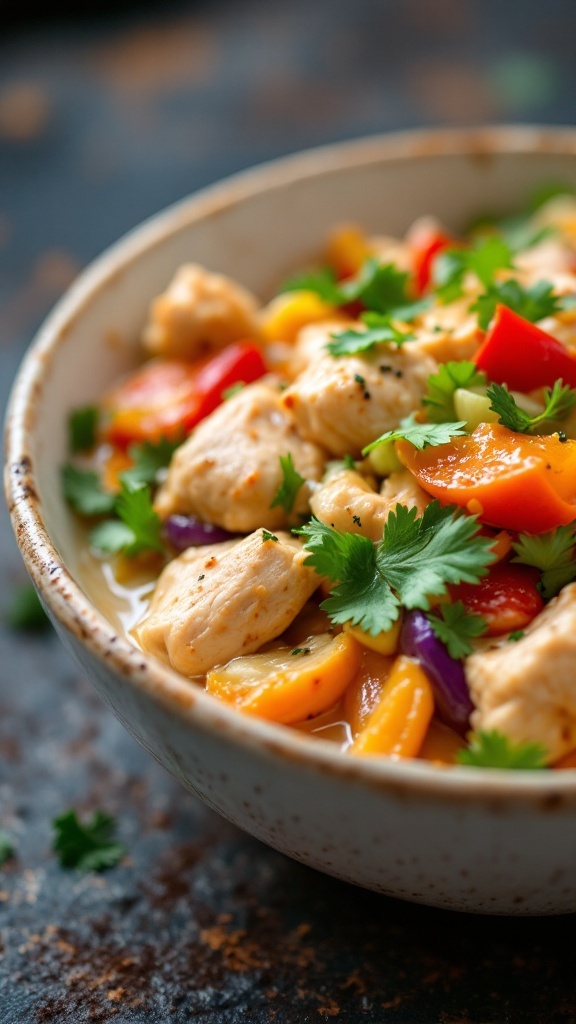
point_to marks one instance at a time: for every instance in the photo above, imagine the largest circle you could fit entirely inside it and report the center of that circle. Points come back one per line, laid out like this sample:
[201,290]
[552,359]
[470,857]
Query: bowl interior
[256,227]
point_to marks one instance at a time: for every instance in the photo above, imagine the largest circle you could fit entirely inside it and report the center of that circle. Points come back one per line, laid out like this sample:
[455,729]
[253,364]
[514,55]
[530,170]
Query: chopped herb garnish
[6,847]
[421,435]
[82,427]
[360,380]
[149,458]
[559,399]
[301,650]
[439,401]
[25,611]
[84,492]
[494,750]
[137,528]
[350,342]
[516,635]
[88,846]
[532,303]
[456,627]
[486,256]
[552,553]
[382,288]
[416,558]
[288,490]
[233,390]
[266,535]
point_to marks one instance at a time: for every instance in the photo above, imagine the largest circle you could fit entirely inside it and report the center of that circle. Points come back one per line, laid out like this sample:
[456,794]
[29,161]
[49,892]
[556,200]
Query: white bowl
[460,838]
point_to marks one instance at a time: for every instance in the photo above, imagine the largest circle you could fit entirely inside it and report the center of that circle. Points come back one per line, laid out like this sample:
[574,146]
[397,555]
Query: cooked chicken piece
[228,471]
[402,488]
[199,313]
[527,689]
[448,332]
[346,402]
[347,502]
[217,602]
[311,342]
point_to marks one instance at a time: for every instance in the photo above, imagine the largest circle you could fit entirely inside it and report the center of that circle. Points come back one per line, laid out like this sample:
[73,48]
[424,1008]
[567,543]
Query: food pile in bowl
[351,509]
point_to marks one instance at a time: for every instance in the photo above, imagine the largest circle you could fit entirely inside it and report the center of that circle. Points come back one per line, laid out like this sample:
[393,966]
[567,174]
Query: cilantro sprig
[456,627]
[493,749]
[559,400]
[288,490]
[553,553]
[148,459]
[416,559]
[137,528]
[82,428]
[380,287]
[379,331]
[421,435]
[484,258]
[439,399]
[88,846]
[533,303]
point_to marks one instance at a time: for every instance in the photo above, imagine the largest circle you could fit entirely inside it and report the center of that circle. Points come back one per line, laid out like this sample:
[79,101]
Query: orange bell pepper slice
[400,720]
[513,481]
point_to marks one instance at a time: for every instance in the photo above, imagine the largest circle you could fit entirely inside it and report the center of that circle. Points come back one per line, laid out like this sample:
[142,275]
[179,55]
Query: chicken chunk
[346,402]
[228,471]
[199,313]
[347,502]
[217,602]
[527,689]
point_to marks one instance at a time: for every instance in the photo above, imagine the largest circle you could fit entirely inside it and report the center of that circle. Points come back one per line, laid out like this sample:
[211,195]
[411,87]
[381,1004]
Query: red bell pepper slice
[168,397]
[507,598]
[426,241]
[518,353]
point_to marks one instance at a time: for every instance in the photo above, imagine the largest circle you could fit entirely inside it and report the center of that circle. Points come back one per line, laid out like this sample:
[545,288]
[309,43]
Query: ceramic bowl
[459,838]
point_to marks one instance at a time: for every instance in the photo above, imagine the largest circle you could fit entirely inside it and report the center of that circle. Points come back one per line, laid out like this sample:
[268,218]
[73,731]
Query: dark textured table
[103,121]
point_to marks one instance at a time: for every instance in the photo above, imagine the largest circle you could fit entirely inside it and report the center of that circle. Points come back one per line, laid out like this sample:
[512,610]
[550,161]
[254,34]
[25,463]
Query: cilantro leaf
[362,596]
[291,483]
[456,627]
[552,553]
[83,491]
[139,529]
[82,425]
[416,558]
[26,611]
[149,458]
[89,846]
[419,555]
[382,288]
[532,303]
[486,256]
[323,282]
[350,342]
[559,399]
[439,401]
[6,847]
[421,435]
[494,750]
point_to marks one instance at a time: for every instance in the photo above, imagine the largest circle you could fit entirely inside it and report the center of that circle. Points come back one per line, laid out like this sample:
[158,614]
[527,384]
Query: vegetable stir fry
[358,500]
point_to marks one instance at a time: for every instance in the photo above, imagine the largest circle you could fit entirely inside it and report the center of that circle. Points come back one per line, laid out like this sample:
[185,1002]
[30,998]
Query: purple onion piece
[418,640]
[187,532]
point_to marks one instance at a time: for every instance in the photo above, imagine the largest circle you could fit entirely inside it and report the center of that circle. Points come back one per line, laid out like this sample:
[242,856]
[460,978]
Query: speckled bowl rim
[65,599]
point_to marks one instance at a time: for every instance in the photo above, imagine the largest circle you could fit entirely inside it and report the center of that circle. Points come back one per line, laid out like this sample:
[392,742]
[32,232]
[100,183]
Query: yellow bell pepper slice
[399,722]
[288,685]
[286,314]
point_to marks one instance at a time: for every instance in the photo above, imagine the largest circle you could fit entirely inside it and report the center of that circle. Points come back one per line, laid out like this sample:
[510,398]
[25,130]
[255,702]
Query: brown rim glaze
[66,601]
